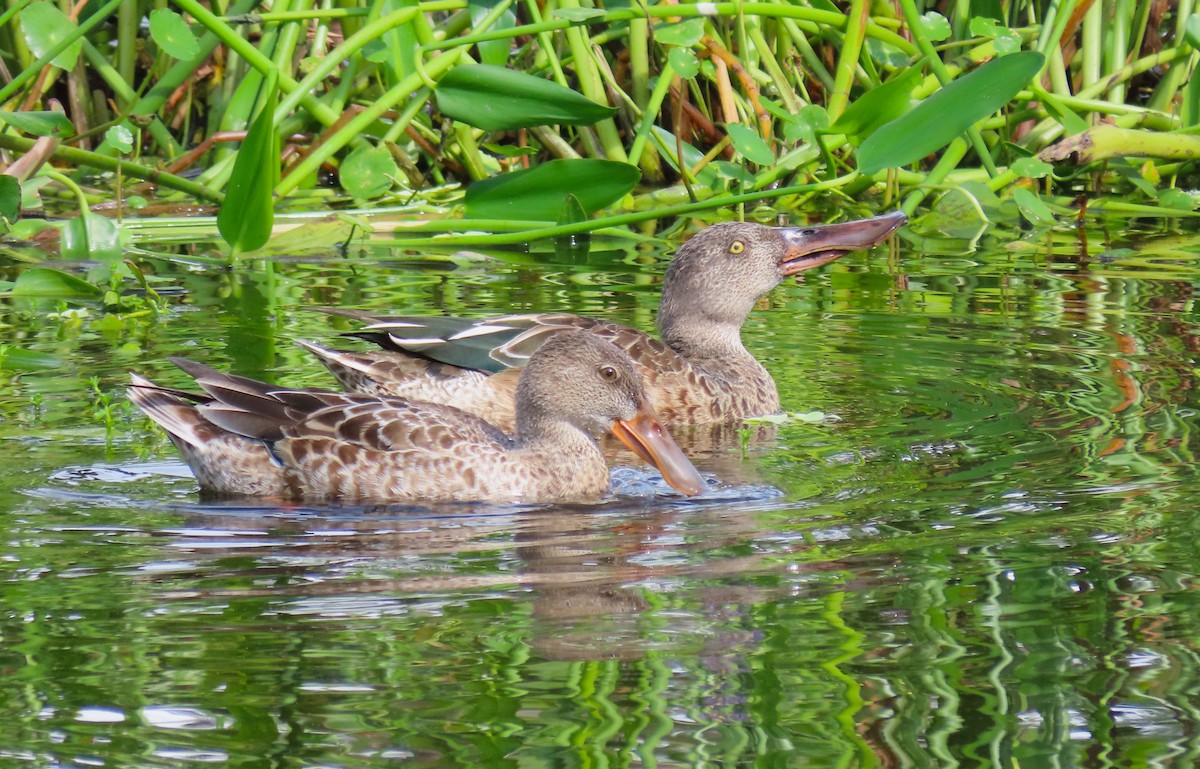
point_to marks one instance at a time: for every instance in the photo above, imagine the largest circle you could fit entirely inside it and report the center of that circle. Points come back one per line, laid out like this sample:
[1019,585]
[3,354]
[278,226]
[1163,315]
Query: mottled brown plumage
[249,438]
[700,372]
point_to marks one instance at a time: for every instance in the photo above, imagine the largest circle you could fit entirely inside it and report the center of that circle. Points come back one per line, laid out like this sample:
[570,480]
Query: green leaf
[691,156]
[1189,112]
[10,198]
[507,151]
[941,118]
[935,26]
[247,214]
[1032,168]
[368,171]
[498,99]
[45,27]
[41,281]
[91,236]
[538,193]
[877,107]
[1177,199]
[750,145]
[173,35]
[572,211]
[47,123]
[1191,31]
[685,33]
[1072,124]
[1032,208]
[684,62]
[577,14]
[119,138]
[495,52]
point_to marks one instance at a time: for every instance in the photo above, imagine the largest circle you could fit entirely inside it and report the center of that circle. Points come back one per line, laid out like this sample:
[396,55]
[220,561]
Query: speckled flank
[251,438]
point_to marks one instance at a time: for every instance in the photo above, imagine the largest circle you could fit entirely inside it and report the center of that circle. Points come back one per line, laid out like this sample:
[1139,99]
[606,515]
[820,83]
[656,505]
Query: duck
[246,438]
[699,373]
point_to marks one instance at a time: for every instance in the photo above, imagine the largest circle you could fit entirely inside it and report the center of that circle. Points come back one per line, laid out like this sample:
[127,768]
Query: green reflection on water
[988,561]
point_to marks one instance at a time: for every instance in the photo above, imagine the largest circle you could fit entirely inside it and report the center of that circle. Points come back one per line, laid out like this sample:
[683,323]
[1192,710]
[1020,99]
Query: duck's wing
[498,343]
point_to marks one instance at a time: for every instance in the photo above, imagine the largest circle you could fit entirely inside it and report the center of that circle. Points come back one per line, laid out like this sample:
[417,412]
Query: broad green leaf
[173,35]
[538,193]
[1189,112]
[10,198]
[91,236]
[684,62]
[935,26]
[41,281]
[750,145]
[577,14]
[941,118]
[1032,168]
[499,99]
[495,52]
[685,33]
[45,26]
[368,171]
[119,138]
[47,123]
[1032,208]
[1177,199]
[247,214]
[876,107]
[402,41]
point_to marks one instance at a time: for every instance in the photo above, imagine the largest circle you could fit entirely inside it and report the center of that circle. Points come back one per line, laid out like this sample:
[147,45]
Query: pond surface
[979,548]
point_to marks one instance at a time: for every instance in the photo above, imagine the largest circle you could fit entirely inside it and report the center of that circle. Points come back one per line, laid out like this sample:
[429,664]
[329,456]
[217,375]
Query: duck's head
[584,381]
[719,274]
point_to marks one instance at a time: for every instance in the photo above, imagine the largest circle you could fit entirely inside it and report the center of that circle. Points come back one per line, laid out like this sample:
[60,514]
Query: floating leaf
[944,116]
[1032,168]
[41,281]
[91,236]
[45,27]
[684,62]
[119,138]
[43,123]
[685,33]
[750,145]
[247,214]
[368,171]
[935,26]
[538,193]
[173,35]
[499,99]
[878,106]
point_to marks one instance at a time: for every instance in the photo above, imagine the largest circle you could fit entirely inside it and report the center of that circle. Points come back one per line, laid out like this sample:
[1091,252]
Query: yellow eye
[737,247]
[608,373]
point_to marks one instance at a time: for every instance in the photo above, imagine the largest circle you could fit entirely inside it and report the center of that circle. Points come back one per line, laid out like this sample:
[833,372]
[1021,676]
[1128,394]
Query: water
[983,553]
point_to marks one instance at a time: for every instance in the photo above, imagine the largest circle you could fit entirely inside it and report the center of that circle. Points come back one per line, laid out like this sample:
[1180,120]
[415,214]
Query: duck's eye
[608,373]
[737,247]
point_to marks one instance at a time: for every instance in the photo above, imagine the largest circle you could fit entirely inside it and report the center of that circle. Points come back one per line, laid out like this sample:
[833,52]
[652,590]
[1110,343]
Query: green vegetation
[523,120]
